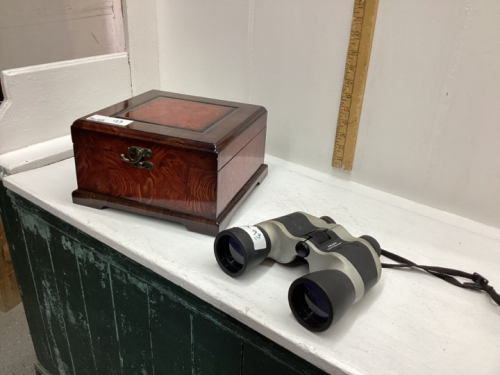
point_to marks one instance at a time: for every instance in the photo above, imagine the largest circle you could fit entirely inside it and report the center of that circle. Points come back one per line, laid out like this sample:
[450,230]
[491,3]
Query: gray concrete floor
[17,356]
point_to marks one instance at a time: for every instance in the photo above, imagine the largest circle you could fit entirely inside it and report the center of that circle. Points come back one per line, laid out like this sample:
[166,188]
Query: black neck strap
[478,282]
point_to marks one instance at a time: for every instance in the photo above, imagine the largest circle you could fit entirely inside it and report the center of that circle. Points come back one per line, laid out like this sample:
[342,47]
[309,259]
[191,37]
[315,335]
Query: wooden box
[182,158]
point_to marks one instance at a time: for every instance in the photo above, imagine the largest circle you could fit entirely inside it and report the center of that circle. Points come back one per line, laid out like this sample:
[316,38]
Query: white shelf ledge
[36,156]
[409,323]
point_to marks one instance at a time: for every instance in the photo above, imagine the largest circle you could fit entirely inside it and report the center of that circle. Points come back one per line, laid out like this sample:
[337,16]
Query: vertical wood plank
[32,306]
[171,335]
[130,296]
[216,351]
[37,237]
[66,274]
[258,362]
[96,287]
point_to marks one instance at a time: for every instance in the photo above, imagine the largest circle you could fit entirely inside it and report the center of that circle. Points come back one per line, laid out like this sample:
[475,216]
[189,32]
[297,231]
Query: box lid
[179,120]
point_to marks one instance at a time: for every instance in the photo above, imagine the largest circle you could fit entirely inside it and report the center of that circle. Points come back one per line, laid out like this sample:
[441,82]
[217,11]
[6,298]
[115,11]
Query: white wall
[430,126]
[42,31]
[430,129]
[287,55]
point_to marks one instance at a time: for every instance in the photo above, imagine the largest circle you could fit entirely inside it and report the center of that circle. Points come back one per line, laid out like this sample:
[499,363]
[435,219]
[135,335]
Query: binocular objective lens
[235,251]
[319,299]
[315,301]
[310,305]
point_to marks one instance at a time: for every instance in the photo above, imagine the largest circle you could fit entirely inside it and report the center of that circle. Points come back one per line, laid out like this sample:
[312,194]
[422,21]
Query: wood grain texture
[9,291]
[185,114]
[217,136]
[136,321]
[181,180]
[239,170]
[191,222]
[195,173]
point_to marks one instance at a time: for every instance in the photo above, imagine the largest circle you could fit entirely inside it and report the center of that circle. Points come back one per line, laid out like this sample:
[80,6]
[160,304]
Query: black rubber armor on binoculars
[343,268]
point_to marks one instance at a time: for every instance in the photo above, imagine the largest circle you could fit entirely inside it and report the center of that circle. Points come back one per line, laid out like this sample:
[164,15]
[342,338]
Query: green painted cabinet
[92,310]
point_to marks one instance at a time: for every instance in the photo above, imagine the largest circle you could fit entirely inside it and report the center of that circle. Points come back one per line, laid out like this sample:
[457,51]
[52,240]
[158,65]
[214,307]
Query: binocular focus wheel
[328,219]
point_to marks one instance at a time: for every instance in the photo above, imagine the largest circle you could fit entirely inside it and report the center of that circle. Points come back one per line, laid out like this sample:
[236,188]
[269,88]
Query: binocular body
[342,267]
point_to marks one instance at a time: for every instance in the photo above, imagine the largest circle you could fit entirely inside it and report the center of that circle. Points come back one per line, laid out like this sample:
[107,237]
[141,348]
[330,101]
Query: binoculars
[342,267]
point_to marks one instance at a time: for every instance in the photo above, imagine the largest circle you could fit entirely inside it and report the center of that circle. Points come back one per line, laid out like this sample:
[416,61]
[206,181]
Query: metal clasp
[135,156]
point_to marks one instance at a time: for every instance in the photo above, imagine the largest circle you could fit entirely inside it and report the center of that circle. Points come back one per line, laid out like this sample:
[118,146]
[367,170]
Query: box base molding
[192,222]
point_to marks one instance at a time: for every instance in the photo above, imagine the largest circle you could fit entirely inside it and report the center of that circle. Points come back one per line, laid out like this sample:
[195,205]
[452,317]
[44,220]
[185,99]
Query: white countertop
[409,323]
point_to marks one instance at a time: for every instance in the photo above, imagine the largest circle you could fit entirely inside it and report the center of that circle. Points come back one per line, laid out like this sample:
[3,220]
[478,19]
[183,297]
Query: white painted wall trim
[42,101]
[141,38]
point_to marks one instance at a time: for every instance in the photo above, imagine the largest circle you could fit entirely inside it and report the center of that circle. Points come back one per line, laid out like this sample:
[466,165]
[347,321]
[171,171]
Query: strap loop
[479,282]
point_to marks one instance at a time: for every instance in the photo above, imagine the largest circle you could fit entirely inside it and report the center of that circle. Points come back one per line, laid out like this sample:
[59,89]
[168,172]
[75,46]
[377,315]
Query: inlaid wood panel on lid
[178,113]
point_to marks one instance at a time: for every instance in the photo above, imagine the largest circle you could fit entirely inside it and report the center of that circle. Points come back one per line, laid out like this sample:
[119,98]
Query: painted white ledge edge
[42,101]
[409,323]
[36,156]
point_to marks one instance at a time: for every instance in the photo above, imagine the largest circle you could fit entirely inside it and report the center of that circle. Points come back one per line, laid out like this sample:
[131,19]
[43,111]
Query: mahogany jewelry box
[182,158]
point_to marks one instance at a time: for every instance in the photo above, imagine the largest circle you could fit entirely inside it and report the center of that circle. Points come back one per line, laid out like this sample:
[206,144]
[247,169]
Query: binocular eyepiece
[342,267]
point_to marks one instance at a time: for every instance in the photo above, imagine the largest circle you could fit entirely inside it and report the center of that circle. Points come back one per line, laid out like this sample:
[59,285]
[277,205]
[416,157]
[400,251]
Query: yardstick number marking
[353,87]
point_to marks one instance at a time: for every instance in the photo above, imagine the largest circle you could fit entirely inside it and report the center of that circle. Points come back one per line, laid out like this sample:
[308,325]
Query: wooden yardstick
[353,87]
